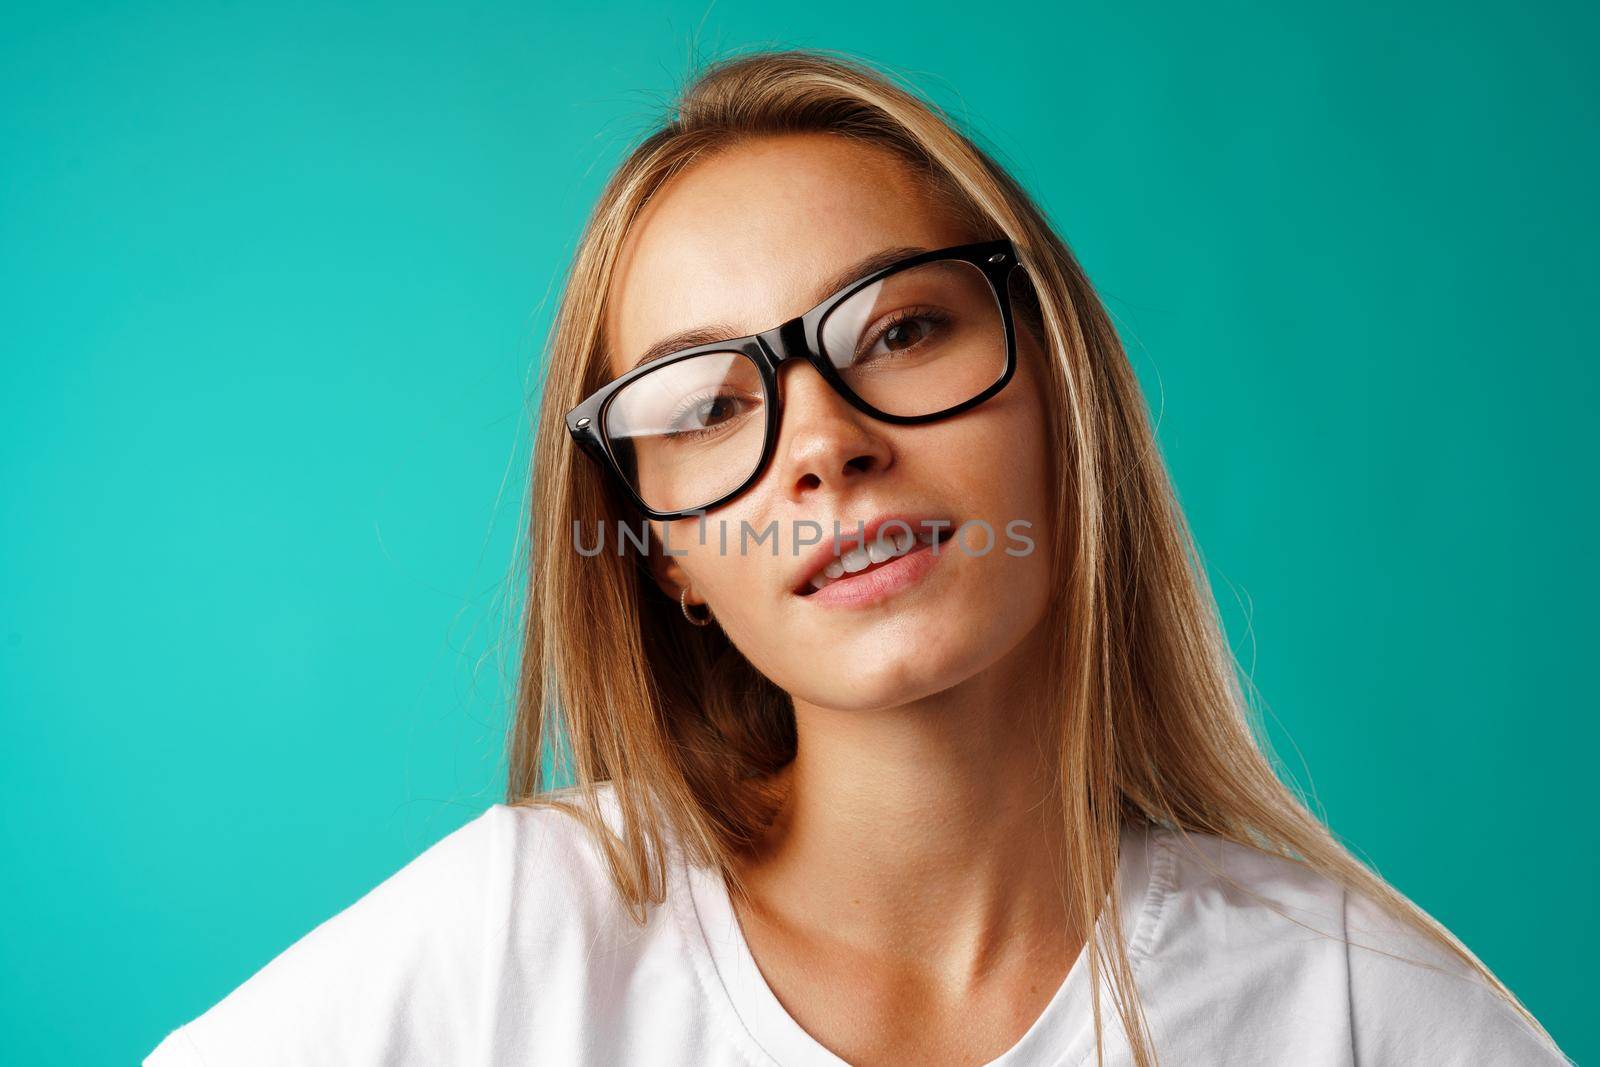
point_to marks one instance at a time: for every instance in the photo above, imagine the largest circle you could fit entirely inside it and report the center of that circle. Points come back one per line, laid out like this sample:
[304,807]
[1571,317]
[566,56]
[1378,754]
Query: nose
[824,444]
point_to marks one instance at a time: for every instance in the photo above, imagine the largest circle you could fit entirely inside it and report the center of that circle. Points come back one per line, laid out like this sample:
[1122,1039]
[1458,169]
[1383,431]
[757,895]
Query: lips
[865,549]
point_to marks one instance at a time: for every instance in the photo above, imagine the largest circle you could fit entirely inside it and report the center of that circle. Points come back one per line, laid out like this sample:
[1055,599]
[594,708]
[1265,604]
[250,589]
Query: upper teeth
[887,545]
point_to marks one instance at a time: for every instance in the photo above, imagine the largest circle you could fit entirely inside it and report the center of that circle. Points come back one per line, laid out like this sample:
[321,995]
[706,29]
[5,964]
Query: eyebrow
[720,331]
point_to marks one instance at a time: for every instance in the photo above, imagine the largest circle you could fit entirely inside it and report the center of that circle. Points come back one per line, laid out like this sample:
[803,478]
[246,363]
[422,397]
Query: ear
[667,570]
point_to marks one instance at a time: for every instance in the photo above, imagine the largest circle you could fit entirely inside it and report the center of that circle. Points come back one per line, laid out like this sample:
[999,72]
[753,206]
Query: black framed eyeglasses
[924,338]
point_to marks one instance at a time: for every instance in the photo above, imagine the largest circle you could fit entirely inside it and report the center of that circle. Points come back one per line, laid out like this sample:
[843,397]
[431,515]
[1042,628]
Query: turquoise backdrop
[275,277]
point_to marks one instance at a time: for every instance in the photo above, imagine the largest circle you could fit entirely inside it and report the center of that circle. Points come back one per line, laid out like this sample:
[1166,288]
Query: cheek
[1001,483]
[991,462]
[1021,459]
[731,562]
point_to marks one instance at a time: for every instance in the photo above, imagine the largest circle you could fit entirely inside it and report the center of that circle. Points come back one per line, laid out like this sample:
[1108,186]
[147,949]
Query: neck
[925,832]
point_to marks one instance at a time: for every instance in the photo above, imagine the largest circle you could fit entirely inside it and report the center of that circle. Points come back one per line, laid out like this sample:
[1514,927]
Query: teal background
[275,277]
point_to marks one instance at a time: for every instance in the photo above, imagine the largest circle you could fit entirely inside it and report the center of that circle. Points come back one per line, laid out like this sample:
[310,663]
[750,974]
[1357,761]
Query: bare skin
[907,905]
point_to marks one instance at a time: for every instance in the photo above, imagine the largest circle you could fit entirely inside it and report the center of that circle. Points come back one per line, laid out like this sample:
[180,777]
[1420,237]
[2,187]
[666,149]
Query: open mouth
[857,560]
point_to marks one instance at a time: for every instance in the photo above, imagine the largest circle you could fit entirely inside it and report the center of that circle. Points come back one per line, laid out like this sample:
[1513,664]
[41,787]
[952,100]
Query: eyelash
[905,315]
[688,405]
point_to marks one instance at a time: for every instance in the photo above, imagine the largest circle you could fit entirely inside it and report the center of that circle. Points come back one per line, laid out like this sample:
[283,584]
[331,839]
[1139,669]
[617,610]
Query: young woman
[901,724]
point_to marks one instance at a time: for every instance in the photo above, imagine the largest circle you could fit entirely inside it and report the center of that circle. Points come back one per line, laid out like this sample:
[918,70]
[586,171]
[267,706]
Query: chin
[890,672]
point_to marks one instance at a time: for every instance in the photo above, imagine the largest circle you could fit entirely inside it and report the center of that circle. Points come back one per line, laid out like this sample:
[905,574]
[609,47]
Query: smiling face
[750,238]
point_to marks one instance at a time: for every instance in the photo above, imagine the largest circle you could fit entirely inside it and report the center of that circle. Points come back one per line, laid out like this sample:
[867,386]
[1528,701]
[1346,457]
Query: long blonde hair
[1153,725]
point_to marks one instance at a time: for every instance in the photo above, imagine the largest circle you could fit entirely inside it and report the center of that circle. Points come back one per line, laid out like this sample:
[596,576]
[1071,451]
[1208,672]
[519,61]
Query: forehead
[746,237]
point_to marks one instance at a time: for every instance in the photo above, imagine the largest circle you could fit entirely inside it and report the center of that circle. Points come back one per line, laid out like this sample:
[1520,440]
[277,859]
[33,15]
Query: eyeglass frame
[800,338]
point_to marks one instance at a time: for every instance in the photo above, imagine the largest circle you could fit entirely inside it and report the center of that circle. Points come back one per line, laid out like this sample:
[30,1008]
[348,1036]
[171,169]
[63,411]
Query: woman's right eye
[705,414]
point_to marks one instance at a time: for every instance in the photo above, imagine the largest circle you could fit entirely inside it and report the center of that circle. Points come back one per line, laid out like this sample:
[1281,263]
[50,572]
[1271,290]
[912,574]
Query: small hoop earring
[683,602]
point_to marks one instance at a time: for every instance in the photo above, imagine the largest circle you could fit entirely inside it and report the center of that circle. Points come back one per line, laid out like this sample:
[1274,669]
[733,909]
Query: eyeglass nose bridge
[788,341]
[794,340]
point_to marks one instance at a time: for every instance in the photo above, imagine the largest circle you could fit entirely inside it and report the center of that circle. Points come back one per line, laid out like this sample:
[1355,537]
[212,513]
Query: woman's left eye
[906,333]
[902,333]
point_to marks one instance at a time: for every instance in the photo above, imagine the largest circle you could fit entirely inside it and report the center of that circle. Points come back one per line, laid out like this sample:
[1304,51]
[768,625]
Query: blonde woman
[900,720]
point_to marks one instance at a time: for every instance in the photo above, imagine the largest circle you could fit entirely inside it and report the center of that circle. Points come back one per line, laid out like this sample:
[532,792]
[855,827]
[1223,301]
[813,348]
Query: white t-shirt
[505,943]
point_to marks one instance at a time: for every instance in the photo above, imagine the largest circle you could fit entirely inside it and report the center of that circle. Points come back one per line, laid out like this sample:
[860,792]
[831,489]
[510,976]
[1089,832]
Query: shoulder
[556,868]
[1412,1000]
[1234,901]
[408,965]
[1260,949]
